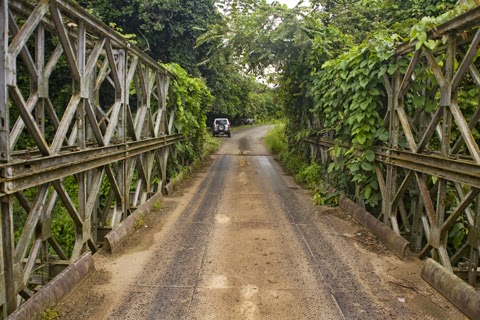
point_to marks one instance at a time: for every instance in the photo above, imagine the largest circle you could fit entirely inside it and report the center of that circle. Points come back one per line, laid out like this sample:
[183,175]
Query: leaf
[338,151]
[422,37]
[367,166]
[457,234]
[367,192]
[370,155]
[417,47]
[374,92]
[355,167]
[360,116]
[179,125]
[364,105]
[361,138]
[382,134]
[419,101]
[364,82]
[391,69]
[382,71]
[431,44]
[456,227]
[331,167]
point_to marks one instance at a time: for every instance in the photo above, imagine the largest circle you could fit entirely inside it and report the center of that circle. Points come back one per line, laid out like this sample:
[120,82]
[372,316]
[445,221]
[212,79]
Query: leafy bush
[310,175]
[276,140]
[192,100]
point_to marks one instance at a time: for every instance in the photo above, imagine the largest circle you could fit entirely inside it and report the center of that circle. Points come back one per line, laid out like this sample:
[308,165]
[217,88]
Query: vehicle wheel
[229,135]
[221,127]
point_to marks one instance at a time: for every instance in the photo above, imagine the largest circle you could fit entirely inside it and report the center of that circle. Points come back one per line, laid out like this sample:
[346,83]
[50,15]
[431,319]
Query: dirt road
[241,240]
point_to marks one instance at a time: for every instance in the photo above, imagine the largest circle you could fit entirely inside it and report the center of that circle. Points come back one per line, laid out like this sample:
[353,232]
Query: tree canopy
[234,43]
[330,58]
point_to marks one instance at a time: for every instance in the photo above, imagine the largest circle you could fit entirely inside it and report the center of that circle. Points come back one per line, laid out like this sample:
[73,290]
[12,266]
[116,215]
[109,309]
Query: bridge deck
[245,242]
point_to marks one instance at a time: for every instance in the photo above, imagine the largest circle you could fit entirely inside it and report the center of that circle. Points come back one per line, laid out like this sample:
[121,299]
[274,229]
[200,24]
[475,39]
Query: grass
[157,204]
[307,173]
[139,222]
[275,139]
[48,314]
[211,145]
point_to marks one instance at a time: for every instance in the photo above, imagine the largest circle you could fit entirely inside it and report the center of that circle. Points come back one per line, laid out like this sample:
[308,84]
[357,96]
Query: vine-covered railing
[87,126]
[428,170]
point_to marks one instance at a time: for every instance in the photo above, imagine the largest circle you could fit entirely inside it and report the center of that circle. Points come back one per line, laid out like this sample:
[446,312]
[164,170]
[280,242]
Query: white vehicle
[221,126]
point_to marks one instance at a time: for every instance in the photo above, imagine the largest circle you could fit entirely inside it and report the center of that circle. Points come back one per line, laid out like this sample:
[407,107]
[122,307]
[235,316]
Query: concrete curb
[56,290]
[392,240]
[73,276]
[465,297]
[115,237]
[171,186]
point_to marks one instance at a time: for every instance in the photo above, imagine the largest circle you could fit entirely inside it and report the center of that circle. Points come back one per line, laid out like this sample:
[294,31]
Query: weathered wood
[467,61]
[466,201]
[408,75]
[113,68]
[9,292]
[21,38]
[24,53]
[4,118]
[471,125]
[403,187]
[402,116]
[30,224]
[65,40]
[427,135]
[65,123]
[28,119]
[466,132]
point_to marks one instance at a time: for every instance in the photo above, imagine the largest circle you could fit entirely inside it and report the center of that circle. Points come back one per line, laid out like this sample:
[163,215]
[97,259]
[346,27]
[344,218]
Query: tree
[165,29]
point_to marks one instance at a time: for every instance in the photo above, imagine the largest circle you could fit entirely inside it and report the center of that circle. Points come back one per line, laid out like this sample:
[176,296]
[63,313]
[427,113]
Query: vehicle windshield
[222,121]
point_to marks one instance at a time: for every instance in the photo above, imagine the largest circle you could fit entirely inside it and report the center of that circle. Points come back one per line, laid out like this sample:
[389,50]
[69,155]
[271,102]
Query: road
[241,240]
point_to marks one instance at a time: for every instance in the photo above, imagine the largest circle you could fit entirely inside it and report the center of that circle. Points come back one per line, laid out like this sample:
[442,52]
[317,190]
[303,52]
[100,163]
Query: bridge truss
[85,162]
[429,174]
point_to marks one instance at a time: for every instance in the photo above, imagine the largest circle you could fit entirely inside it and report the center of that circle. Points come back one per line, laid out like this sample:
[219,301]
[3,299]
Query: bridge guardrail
[95,156]
[429,172]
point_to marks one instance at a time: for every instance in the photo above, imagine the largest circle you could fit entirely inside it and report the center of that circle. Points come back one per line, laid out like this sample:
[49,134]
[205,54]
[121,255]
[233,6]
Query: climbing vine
[192,100]
[349,101]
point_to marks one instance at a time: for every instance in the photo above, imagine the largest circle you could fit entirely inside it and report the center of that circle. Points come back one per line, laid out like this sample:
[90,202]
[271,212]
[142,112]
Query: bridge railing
[86,131]
[429,175]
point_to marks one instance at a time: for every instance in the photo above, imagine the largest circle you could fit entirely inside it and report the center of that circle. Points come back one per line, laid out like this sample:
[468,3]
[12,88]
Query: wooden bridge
[99,158]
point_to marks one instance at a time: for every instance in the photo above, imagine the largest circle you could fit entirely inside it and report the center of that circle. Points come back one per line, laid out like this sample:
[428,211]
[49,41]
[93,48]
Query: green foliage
[63,229]
[276,140]
[310,175]
[348,95]
[192,100]
[165,29]
[366,17]
[420,30]
[62,225]
[291,160]
[49,313]
[457,234]
[139,222]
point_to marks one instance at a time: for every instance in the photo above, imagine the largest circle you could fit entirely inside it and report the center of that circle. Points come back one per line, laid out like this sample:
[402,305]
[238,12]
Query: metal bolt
[9,172]
[10,185]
